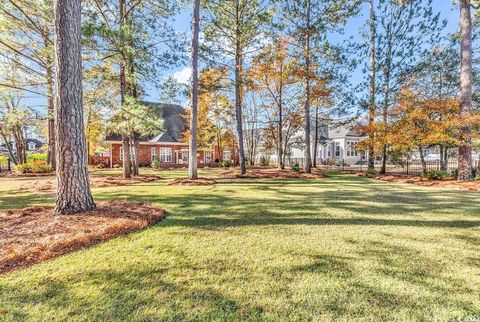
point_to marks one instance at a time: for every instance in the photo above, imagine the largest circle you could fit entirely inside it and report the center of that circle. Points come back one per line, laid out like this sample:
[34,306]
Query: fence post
[407,166]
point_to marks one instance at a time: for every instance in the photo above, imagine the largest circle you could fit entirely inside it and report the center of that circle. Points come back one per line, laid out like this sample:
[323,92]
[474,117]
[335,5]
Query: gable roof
[345,130]
[174,124]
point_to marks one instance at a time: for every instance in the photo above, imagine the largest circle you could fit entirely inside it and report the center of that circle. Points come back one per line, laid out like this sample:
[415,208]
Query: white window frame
[338,151]
[165,154]
[208,157]
[184,155]
[121,153]
[227,152]
[153,153]
[352,149]
[31,146]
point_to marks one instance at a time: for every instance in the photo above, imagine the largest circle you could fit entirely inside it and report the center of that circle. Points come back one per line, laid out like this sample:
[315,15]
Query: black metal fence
[5,165]
[413,167]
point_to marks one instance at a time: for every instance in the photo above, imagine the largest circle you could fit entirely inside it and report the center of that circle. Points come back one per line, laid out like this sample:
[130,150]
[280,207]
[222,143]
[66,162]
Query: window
[337,149]
[227,155]
[31,146]
[352,149]
[208,157]
[185,155]
[166,154]
[328,151]
[153,153]
[121,153]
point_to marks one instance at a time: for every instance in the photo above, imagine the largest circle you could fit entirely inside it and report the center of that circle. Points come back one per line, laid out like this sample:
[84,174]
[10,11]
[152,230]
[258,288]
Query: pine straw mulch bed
[418,180]
[95,182]
[13,174]
[270,173]
[34,234]
[188,182]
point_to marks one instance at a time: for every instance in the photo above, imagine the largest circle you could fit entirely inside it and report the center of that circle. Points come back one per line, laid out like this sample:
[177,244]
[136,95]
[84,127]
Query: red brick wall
[145,155]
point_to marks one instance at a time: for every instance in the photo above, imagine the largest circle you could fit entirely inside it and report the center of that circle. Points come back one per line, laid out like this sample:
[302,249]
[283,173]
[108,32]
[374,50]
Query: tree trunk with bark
[371,114]
[127,166]
[135,144]
[315,140]
[20,145]
[308,156]
[9,148]
[281,164]
[422,159]
[465,147]
[386,102]
[192,155]
[51,118]
[73,186]
[239,103]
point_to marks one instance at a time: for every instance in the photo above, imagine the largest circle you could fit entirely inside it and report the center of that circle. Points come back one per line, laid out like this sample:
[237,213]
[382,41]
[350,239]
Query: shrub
[371,171]
[296,167]
[42,168]
[435,175]
[454,173]
[32,157]
[264,161]
[39,166]
[226,163]
[23,168]
[100,166]
[156,164]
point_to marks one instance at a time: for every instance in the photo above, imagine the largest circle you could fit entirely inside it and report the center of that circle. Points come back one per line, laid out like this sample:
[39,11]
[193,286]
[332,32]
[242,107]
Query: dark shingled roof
[174,124]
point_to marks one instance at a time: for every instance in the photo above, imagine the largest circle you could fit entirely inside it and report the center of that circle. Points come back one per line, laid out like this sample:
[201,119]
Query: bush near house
[226,163]
[156,163]
[33,167]
[296,167]
[436,175]
[34,156]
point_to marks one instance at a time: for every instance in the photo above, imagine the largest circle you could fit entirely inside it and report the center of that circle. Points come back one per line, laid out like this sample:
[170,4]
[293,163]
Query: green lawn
[339,248]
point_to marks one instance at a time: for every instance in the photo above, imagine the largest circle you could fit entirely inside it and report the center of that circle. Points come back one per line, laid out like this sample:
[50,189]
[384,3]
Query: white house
[336,143]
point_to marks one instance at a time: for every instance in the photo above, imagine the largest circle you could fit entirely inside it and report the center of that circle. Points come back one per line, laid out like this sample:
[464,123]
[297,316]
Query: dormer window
[31,146]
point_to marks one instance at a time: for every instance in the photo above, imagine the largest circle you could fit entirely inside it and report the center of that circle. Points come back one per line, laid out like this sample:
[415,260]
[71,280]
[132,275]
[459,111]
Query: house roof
[344,130]
[173,124]
[38,143]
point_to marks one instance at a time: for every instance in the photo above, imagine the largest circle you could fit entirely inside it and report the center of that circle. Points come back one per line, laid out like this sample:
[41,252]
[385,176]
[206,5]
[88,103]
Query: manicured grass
[338,248]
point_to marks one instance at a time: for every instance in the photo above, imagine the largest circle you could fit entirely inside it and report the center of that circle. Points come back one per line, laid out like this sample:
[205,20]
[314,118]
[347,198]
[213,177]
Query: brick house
[169,146]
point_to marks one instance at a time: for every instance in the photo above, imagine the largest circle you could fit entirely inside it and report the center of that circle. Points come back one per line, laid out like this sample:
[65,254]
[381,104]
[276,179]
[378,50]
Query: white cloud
[183,76]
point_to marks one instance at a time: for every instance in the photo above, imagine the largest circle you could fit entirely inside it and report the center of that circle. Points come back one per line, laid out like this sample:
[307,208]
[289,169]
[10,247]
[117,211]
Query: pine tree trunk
[239,99]
[371,114]
[51,119]
[465,147]
[383,169]
[281,165]
[422,159]
[315,140]
[127,167]
[73,187]
[135,159]
[308,156]
[192,155]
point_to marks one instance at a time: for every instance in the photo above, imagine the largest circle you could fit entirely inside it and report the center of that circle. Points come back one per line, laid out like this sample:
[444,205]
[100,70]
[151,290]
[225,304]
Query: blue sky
[447,9]
[182,22]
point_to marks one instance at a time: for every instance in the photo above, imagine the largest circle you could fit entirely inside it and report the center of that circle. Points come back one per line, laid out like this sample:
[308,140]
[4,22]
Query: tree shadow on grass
[137,294]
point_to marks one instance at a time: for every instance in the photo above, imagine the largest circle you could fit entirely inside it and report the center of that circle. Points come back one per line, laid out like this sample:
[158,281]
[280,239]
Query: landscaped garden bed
[95,182]
[188,182]
[34,234]
[418,180]
[267,173]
